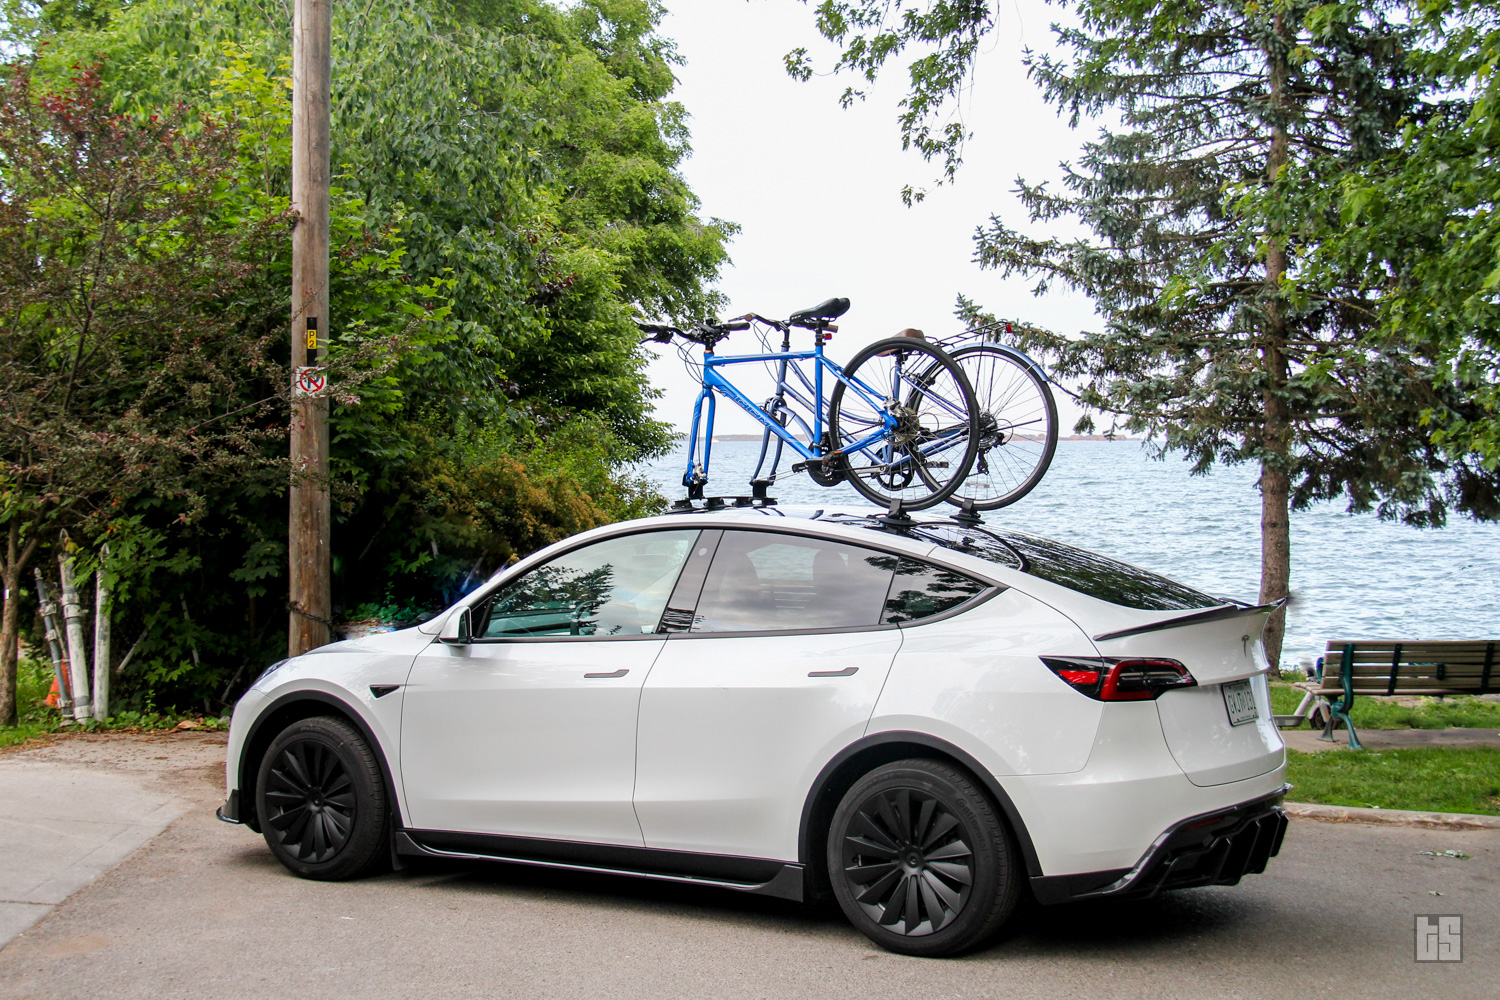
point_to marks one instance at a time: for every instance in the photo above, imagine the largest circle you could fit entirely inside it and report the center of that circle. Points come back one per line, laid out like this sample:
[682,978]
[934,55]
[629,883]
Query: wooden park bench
[1386,669]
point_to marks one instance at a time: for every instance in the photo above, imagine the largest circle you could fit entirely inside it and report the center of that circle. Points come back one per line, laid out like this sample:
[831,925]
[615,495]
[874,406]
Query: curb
[1392,817]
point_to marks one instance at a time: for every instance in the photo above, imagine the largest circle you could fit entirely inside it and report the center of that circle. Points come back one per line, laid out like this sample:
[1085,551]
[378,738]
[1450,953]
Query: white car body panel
[511,738]
[1209,750]
[730,727]
[975,680]
[344,673]
[1194,720]
[1109,814]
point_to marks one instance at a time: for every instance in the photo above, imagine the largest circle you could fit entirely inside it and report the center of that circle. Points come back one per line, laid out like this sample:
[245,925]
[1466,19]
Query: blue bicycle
[899,423]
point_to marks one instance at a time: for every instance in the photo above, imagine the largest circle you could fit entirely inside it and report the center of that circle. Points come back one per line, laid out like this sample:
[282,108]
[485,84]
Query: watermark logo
[1439,937]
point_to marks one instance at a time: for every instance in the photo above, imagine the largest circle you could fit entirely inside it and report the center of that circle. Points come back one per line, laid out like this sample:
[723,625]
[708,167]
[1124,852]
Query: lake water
[1353,576]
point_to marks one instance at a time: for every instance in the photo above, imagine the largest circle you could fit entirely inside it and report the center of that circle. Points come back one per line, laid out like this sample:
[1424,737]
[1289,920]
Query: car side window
[763,581]
[616,587]
[922,590]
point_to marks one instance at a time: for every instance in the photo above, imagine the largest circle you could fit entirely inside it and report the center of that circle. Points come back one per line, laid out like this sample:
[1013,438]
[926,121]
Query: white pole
[101,639]
[78,663]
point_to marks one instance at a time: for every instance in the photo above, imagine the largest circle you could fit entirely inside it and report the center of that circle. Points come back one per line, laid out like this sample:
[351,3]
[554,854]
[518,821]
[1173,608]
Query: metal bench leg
[1295,719]
[1354,743]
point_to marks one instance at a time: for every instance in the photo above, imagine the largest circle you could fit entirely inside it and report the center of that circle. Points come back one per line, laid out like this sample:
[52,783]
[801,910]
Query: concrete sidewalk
[62,826]
[1309,741]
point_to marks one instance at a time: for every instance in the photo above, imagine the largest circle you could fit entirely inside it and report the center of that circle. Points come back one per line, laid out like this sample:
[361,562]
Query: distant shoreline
[718,438]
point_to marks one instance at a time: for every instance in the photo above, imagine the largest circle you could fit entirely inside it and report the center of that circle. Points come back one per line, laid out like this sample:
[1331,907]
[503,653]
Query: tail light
[1114,678]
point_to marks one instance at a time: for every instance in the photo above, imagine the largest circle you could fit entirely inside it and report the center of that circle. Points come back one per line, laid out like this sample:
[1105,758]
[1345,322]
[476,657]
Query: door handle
[613,673]
[846,672]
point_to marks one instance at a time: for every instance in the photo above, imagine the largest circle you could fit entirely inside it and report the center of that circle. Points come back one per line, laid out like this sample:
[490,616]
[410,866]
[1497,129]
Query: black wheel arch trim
[246,802]
[806,851]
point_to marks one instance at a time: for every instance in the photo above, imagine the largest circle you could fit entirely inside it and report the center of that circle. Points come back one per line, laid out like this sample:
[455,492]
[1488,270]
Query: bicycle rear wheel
[908,429]
[1017,427]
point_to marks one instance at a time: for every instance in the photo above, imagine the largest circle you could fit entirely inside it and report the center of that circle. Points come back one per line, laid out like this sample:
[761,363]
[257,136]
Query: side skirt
[779,879]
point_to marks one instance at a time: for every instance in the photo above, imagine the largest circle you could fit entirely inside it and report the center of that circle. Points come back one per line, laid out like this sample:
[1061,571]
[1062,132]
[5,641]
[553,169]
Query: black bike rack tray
[896,517]
[686,505]
[968,517]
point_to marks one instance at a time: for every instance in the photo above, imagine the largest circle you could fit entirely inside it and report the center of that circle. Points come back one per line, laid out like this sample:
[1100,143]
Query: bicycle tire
[911,370]
[1018,426]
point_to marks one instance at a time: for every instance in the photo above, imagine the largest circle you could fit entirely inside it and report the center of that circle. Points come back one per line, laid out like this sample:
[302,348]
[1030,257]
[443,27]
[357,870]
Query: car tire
[322,802]
[921,861]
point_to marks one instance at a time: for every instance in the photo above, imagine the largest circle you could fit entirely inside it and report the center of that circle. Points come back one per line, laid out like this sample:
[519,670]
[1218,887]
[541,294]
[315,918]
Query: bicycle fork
[695,477]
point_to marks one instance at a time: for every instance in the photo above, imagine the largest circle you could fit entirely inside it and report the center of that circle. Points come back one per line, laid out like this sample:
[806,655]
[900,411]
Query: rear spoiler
[1196,618]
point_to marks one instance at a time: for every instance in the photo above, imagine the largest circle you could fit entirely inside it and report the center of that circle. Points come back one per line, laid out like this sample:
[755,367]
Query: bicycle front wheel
[1017,427]
[905,422]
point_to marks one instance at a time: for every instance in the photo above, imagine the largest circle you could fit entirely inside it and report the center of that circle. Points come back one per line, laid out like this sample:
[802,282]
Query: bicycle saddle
[831,309]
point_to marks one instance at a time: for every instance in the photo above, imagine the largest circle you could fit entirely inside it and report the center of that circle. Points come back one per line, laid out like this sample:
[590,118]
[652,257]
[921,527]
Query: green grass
[1463,711]
[34,680]
[1433,779]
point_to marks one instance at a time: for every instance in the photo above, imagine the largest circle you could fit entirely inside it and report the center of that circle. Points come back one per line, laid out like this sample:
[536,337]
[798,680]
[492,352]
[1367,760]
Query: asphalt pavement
[202,910]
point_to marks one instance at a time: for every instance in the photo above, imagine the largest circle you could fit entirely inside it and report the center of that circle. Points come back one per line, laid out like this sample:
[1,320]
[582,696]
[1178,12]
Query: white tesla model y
[924,718]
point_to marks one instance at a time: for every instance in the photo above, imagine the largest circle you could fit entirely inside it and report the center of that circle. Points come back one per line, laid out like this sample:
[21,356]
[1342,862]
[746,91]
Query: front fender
[363,684]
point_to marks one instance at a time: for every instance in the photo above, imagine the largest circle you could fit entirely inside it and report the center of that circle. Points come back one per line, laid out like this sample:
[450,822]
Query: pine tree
[1215,341]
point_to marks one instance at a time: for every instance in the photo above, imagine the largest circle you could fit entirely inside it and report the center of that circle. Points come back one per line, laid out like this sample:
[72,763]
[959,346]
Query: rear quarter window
[921,590]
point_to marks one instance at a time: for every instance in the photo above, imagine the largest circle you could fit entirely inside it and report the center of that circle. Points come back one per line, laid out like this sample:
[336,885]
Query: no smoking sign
[310,382]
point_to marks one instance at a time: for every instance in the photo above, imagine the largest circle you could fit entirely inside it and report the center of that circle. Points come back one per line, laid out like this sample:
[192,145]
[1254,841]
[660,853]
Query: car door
[777,661]
[528,730]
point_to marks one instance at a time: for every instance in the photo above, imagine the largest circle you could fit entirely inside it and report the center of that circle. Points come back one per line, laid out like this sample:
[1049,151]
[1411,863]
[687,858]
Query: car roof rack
[687,505]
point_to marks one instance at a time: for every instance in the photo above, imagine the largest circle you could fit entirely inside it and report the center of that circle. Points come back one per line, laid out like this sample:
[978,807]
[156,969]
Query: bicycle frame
[714,381]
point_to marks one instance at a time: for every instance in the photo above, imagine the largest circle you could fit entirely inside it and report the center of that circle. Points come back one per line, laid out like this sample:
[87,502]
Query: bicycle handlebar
[707,334]
[818,319]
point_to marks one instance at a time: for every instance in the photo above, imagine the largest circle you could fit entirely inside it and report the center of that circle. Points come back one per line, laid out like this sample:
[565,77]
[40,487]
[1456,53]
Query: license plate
[1239,700]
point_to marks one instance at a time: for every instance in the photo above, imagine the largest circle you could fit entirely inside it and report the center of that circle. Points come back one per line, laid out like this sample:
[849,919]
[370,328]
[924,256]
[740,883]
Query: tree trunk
[16,557]
[1275,506]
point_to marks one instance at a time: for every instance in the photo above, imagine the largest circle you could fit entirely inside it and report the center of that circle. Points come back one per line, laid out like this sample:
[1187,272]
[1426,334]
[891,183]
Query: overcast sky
[816,189]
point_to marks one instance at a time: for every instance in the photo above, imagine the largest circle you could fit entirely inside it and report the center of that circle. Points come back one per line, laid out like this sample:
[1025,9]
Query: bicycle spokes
[1017,426]
[905,418]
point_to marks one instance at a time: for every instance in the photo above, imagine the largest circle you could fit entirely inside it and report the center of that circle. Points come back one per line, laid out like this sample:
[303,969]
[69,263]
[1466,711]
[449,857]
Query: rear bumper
[1215,848]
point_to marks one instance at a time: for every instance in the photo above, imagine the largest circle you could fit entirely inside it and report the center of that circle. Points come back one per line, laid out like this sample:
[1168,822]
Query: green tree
[1217,341]
[506,172]
[1419,227]
[126,373]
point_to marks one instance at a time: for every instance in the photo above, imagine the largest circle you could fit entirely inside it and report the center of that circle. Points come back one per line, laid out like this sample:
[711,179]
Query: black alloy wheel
[920,860]
[321,801]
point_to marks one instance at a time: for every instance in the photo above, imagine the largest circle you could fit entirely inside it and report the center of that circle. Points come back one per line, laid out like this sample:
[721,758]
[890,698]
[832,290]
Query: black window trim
[992,586]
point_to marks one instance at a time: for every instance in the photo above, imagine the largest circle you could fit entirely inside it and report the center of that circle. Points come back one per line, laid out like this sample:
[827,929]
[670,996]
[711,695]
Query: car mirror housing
[458,630]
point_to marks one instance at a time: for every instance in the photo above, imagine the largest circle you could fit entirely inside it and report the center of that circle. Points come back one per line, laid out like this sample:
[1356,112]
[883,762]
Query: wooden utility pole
[310,563]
